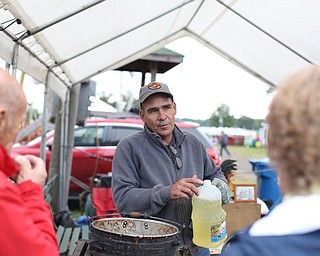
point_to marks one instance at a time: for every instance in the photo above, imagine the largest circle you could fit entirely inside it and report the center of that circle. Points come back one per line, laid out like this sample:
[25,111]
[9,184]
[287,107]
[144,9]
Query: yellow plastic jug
[208,217]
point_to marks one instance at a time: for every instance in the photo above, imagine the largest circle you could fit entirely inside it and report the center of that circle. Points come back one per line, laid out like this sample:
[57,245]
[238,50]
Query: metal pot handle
[93,218]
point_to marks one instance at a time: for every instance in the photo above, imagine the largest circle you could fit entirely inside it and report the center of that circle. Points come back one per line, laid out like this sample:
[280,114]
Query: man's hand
[185,188]
[31,168]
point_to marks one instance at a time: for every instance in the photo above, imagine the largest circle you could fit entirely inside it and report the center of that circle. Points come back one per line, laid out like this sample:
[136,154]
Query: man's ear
[141,114]
[174,106]
[3,118]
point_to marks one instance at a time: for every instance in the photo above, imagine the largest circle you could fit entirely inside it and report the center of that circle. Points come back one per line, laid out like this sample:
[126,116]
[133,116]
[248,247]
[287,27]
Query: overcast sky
[200,84]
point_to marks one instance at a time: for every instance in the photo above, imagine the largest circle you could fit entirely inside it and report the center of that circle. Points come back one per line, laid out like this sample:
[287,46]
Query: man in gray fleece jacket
[157,171]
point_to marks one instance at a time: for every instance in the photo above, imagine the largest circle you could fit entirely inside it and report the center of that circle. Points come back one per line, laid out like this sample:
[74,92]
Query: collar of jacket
[177,133]
[7,165]
[295,215]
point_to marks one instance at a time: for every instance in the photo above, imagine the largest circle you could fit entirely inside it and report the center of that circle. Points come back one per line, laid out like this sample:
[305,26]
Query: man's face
[158,112]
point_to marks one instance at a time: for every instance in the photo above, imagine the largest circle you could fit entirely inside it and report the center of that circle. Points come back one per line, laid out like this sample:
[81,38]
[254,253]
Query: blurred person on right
[293,226]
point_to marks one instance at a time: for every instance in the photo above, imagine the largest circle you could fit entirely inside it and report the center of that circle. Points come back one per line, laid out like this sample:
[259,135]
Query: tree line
[221,117]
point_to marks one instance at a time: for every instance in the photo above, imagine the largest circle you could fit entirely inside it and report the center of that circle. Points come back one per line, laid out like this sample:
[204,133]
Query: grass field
[249,152]
[247,176]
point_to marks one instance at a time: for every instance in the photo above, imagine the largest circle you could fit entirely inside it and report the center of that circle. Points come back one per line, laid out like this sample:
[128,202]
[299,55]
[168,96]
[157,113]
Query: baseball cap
[153,88]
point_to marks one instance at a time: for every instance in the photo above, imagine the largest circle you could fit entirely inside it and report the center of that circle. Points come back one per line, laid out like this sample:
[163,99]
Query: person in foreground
[293,226]
[157,171]
[25,219]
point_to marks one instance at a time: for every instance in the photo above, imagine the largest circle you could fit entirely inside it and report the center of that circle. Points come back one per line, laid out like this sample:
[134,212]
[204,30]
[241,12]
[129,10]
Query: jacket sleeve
[26,221]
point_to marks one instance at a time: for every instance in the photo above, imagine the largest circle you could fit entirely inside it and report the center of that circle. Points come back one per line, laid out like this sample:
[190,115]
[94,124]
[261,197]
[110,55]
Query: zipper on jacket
[180,200]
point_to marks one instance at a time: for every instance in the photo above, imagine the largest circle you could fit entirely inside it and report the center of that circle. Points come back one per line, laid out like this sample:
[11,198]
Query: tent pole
[143,78]
[15,55]
[63,197]
[44,119]
[7,67]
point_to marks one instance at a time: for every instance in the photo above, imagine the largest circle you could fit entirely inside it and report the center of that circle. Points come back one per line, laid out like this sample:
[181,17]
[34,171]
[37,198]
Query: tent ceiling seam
[127,57]
[43,63]
[231,59]
[20,43]
[194,14]
[264,32]
[124,33]
[60,19]
[36,54]
[36,30]
[216,19]
[45,52]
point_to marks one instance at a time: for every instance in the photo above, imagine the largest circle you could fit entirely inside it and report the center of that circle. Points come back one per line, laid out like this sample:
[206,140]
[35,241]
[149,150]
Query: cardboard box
[241,215]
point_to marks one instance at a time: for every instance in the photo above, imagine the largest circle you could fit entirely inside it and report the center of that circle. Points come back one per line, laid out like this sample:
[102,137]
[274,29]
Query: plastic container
[208,217]
[268,188]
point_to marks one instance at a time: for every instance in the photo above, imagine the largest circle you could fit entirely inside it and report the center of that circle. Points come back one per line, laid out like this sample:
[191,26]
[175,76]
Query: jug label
[218,231]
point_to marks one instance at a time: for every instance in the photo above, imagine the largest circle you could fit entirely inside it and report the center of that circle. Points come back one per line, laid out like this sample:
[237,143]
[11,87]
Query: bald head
[12,108]
[10,90]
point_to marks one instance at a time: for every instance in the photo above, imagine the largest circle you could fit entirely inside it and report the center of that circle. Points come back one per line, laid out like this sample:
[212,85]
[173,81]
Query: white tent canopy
[98,105]
[62,43]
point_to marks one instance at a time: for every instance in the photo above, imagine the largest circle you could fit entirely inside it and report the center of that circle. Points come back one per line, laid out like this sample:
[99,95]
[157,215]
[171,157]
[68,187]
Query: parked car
[95,145]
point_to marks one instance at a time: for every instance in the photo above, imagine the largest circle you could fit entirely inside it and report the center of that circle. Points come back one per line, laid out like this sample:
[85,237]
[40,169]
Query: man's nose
[162,114]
